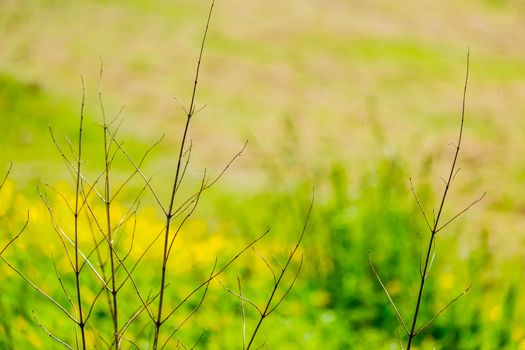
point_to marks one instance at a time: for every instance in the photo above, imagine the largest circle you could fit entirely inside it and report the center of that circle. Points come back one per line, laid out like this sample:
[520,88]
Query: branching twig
[81,321]
[51,335]
[177,179]
[270,305]
[11,241]
[40,291]
[108,218]
[442,310]
[462,212]
[436,227]
[186,319]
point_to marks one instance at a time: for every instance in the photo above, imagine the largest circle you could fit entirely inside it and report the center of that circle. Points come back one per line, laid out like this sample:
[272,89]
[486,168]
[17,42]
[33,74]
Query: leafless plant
[434,227]
[273,301]
[101,268]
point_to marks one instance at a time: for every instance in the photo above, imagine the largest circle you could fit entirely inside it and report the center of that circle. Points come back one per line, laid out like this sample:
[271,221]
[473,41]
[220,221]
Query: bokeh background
[353,98]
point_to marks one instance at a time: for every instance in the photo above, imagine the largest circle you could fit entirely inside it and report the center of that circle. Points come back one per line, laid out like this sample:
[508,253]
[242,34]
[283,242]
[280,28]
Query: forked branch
[272,303]
[434,227]
[437,226]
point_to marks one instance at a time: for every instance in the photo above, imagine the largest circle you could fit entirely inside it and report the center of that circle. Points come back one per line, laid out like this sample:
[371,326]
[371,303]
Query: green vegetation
[351,99]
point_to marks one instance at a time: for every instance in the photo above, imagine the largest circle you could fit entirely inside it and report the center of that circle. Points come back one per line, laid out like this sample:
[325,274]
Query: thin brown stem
[107,206]
[80,316]
[51,335]
[270,305]
[6,175]
[158,322]
[435,227]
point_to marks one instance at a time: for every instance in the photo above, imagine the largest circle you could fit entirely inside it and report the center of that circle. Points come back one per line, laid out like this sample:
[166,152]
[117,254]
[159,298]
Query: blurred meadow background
[353,98]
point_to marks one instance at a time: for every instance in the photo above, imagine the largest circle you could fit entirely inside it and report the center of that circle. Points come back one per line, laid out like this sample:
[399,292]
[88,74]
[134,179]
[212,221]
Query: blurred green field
[352,98]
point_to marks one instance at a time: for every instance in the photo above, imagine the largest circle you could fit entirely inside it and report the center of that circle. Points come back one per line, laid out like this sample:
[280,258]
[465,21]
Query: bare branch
[242,299]
[6,175]
[61,195]
[431,251]
[55,338]
[130,341]
[139,311]
[65,238]
[180,104]
[266,263]
[398,314]
[93,303]
[40,291]
[419,204]
[62,285]
[137,168]
[199,340]
[11,241]
[268,309]
[221,270]
[289,287]
[442,310]
[432,257]
[188,215]
[462,212]
[186,154]
[194,310]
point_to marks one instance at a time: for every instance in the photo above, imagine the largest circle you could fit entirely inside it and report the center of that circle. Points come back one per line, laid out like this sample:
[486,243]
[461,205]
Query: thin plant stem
[6,175]
[80,321]
[176,182]
[107,205]
[435,226]
[270,306]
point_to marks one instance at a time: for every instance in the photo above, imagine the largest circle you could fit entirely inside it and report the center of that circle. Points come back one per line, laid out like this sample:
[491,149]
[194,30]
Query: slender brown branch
[65,238]
[51,335]
[169,213]
[90,311]
[6,175]
[266,263]
[285,294]
[442,310]
[268,309]
[62,196]
[462,212]
[149,300]
[80,316]
[131,342]
[39,290]
[431,245]
[136,170]
[398,314]
[107,204]
[219,272]
[61,282]
[242,299]
[198,340]
[141,174]
[195,309]
[70,165]
[186,218]
[12,240]
[420,205]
